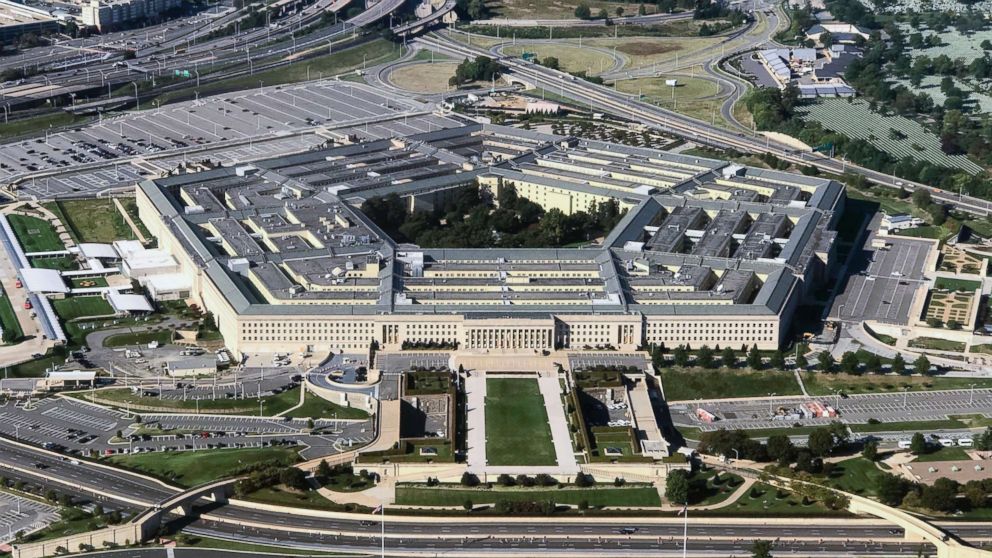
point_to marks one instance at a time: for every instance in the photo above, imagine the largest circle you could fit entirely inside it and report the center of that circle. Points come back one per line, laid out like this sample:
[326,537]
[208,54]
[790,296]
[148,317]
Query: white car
[966,442]
[946,442]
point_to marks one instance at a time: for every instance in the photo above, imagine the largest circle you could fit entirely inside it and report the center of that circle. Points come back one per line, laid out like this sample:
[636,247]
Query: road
[475,536]
[605,99]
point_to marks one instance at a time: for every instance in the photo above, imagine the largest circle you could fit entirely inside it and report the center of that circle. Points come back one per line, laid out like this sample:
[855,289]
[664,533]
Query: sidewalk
[551,390]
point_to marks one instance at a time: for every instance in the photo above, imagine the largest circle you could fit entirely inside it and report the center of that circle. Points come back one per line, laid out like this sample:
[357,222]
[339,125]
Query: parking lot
[855,409]
[882,283]
[22,514]
[229,129]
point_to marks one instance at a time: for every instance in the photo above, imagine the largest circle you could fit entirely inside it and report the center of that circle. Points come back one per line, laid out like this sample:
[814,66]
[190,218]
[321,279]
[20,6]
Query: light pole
[770,395]
[971,398]
[137,101]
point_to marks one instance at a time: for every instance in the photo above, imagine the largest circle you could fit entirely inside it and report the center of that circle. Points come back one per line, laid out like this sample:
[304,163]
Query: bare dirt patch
[645,48]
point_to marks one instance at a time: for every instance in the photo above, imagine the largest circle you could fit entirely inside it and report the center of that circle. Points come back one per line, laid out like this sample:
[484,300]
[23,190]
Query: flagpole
[383,530]
[685,530]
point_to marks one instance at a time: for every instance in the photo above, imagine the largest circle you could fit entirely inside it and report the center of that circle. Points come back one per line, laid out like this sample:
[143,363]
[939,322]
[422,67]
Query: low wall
[121,535]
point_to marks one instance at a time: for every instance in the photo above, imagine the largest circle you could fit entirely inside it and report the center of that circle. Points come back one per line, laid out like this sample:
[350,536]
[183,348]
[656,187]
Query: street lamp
[137,101]
[971,398]
[770,395]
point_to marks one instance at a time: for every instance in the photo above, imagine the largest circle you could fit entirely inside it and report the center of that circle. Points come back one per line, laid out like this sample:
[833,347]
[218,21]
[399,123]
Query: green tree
[681,356]
[641,10]
[754,358]
[777,360]
[821,441]
[780,448]
[873,363]
[898,365]
[849,363]
[870,451]
[918,444]
[677,487]
[582,11]
[941,495]
[728,357]
[891,489]
[825,361]
[324,470]
[294,478]
[922,365]
[704,357]
[801,362]
[761,549]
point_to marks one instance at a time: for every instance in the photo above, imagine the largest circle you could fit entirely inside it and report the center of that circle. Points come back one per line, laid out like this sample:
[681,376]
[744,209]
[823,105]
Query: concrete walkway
[551,390]
[475,395]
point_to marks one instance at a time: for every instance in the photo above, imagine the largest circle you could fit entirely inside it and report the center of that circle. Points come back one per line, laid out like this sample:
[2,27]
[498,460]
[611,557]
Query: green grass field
[61,263]
[705,489]
[138,338]
[936,344]
[81,306]
[766,501]
[38,124]
[696,383]
[316,407]
[857,475]
[193,468]
[418,495]
[952,284]
[943,454]
[825,384]
[95,220]
[8,319]
[517,430]
[910,426]
[87,282]
[35,235]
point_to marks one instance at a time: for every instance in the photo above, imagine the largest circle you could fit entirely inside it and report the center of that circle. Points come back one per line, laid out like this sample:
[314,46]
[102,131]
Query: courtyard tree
[922,365]
[825,361]
[582,11]
[870,451]
[849,363]
[777,360]
[704,357]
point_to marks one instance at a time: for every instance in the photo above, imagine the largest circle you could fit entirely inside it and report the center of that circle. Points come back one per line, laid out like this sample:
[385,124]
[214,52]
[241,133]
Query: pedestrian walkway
[551,390]
[475,395]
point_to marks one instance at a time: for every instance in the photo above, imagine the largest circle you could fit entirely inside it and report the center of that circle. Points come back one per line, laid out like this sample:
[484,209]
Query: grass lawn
[37,125]
[37,367]
[61,263]
[193,468]
[517,429]
[8,319]
[943,454]
[936,344]
[766,501]
[419,495]
[373,53]
[825,384]
[95,220]
[270,405]
[926,231]
[425,77]
[87,282]
[538,9]
[163,337]
[81,306]
[71,522]
[952,284]
[692,433]
[425,383]
[35,235]
[695,97]
[316,407]
[310,499]
[706,489]
[570,57]
[196,541]
[696,383]
[347,481]
[910,426]
[131,207]
[409,452]
[857,475]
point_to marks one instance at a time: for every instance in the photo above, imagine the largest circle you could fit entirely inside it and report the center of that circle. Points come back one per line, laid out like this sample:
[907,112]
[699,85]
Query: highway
[605,99]
[476,535]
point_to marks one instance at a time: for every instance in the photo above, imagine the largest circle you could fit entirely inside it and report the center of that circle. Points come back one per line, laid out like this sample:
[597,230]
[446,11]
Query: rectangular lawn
[35,235]
[517,429]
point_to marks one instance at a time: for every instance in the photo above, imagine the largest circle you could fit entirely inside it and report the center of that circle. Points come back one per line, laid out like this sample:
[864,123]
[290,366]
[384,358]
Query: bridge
[440,15]
[143,527]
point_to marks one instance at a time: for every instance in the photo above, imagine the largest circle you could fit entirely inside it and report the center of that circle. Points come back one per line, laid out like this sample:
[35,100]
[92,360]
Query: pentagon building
[707,252]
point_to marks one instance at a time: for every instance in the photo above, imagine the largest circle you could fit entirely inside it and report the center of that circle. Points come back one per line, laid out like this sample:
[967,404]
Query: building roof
[43,280]
[193,363]
[97,250]
[72,375]
[128,302]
